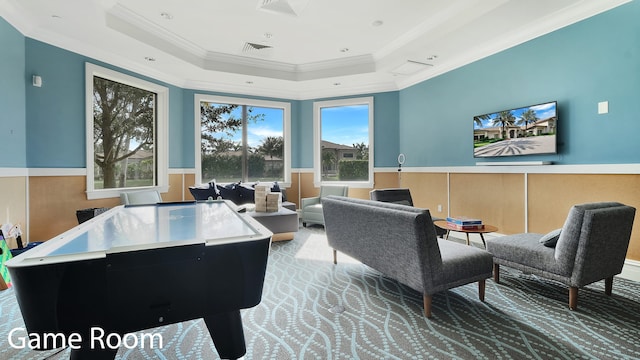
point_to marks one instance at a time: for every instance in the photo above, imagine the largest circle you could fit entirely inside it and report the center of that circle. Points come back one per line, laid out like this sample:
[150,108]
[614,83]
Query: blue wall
[595,60]
[12,97]
[56,111]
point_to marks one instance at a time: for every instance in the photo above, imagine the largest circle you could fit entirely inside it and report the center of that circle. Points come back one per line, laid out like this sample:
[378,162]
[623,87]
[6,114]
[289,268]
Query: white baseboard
[631,270]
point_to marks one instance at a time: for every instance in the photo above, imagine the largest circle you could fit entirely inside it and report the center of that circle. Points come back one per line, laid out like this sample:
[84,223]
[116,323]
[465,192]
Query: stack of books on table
[464,223]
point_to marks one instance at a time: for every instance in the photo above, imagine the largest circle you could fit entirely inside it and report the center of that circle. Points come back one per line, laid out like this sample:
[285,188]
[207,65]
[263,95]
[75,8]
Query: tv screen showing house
[529,130]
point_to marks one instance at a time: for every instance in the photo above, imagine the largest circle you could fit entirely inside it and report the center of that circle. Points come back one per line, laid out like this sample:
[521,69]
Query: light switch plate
[603,107]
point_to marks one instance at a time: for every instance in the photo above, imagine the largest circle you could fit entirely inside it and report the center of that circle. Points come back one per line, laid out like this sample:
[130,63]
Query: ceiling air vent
[287,7]
[410,67]
[256,49]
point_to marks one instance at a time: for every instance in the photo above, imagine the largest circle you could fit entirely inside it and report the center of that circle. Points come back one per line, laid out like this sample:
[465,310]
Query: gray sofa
[400,242]
[591,246]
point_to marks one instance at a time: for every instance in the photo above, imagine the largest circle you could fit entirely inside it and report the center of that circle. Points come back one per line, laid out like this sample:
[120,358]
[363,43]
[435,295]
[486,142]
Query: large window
[343,142]
[126,133]
[242,140]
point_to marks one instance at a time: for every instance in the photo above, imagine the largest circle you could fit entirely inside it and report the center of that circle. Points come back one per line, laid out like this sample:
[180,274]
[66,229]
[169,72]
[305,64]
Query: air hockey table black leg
[227,334]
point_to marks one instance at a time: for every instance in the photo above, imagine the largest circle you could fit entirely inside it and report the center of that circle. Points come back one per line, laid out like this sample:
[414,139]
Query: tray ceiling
[293,48]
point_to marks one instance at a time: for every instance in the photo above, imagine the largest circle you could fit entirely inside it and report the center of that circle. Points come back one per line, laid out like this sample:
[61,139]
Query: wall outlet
[439,208]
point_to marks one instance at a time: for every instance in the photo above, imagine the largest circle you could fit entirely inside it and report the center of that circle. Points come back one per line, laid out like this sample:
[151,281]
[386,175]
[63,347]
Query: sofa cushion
[551,238]
[247,193]
[524,249]
[230,192]
[461,262]
[316,208]
[242,194]
[205,191]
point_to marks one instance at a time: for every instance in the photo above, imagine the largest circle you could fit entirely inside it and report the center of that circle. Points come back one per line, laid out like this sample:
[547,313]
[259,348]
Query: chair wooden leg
[481,287]
[427,304]
[335,256]
[608,285]
[573,298]
[496,273]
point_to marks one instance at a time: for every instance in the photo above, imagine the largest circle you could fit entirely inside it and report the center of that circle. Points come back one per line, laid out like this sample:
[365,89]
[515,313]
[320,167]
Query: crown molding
[508,40]
[15,18]
[252,90]
[123,20]
[436,20]
[98,54]
[294,92]
[283,80]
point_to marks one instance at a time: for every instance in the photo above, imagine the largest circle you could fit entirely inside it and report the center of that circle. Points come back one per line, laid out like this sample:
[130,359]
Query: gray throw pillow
[551,238]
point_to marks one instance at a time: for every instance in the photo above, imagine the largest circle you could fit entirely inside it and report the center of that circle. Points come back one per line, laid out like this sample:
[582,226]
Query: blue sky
[271,125]
[543,111]
[344,125]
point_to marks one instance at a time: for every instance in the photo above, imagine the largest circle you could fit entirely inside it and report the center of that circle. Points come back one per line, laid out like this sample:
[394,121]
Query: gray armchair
[402,197]
[591,246]
[142,197]
[311,208]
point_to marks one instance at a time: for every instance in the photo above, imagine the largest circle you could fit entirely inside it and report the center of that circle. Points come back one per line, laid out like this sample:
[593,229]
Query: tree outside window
[126,133]
[243,140]
[123,126]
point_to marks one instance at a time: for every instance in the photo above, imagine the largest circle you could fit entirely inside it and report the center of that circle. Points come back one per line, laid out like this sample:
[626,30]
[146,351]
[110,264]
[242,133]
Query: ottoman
[283,223]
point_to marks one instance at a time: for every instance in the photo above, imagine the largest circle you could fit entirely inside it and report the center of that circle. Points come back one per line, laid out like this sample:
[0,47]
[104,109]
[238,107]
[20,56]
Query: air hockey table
[139,267]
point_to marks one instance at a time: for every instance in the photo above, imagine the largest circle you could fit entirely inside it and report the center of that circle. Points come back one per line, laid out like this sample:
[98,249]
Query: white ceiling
[295,49]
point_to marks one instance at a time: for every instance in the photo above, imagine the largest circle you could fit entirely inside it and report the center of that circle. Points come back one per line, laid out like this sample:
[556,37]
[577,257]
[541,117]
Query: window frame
[286,127]
[161,130]
[317,140]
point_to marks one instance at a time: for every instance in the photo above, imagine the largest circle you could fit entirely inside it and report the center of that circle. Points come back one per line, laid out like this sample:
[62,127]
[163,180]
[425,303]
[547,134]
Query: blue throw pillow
[276,188]
[231,192]
[551,238]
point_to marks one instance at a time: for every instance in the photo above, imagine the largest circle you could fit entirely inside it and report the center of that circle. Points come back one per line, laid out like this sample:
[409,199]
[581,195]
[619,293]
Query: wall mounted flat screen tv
[529,130]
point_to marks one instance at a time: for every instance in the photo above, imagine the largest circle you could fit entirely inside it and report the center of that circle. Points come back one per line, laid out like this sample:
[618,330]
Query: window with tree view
[124,123]
[242,140]
[344,141]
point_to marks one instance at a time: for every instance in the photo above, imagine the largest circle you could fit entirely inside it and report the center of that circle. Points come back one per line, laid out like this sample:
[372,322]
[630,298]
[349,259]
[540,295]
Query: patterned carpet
[312,309]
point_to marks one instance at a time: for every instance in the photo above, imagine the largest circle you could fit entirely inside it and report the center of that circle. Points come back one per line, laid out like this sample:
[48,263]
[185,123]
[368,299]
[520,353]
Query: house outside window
[126,133]
[343,142]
